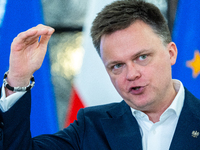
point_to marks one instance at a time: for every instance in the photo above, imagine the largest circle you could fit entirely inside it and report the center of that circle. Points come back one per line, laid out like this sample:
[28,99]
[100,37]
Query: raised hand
[28,50]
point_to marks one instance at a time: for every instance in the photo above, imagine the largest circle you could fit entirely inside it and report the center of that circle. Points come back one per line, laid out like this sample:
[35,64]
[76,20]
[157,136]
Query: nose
[132,72]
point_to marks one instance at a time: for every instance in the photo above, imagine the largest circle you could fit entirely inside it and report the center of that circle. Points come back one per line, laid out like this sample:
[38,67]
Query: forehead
[136,37]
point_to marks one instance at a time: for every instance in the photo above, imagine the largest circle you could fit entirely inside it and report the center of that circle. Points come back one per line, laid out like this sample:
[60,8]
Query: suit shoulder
[192,102]
[101,108]
[104,111]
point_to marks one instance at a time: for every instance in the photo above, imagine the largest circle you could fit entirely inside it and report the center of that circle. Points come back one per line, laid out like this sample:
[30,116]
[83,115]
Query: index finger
[33,34]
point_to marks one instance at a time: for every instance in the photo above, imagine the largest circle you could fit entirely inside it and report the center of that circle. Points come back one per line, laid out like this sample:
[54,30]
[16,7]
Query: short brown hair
[122,13]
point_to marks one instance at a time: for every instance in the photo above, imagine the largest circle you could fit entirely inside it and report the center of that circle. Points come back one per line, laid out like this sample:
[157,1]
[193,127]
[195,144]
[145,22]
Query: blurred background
[65,47]
[72,75]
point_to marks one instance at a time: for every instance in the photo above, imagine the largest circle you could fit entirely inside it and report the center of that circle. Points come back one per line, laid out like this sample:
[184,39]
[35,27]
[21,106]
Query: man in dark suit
[134,43]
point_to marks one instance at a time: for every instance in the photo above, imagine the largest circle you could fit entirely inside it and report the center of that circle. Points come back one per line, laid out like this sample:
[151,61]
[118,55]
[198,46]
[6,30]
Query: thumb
[44,39]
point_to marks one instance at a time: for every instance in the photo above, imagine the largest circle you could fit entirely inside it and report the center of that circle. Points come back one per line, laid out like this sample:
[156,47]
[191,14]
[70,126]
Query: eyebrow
[144,51]
[109,64]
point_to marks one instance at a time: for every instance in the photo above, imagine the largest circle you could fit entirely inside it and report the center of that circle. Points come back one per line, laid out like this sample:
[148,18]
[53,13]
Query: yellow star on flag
[194,64]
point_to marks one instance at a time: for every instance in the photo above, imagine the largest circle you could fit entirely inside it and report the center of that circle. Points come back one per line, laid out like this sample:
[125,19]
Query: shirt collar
[178,101]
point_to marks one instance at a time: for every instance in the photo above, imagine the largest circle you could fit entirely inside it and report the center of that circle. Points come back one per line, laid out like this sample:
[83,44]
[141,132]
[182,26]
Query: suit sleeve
[15,130]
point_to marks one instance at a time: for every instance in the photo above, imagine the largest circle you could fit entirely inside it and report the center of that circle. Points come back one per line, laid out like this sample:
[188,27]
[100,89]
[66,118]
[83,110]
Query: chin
[138,105]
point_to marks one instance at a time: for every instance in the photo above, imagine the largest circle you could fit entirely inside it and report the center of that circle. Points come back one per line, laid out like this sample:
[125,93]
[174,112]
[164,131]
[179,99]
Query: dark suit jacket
[104,127]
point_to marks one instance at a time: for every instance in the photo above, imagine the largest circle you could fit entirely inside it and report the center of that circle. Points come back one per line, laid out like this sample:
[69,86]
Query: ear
[172,49]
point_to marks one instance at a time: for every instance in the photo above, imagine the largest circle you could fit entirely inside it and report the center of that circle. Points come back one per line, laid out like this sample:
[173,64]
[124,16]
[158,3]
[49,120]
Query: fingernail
[51,29]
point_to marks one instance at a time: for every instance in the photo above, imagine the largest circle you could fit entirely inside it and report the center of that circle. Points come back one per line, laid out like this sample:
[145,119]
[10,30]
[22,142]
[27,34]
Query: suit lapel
[189,121]
[122,130]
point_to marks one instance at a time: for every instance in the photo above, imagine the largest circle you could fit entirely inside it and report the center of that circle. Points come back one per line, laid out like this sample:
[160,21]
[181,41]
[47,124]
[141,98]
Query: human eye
[143,59]
[117,68]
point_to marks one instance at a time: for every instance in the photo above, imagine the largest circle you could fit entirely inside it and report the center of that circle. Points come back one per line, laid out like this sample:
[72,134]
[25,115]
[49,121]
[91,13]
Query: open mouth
[136,88]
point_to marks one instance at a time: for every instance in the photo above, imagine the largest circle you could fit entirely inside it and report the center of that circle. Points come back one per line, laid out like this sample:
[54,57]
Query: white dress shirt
[158,136]
[7,102]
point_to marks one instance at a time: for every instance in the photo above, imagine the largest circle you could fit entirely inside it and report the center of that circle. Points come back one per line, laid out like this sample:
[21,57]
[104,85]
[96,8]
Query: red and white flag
[92,86]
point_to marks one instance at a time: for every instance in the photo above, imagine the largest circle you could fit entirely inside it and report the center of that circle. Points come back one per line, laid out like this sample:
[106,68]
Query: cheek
[165,67]
[118,82]
[160,72]
[162,63]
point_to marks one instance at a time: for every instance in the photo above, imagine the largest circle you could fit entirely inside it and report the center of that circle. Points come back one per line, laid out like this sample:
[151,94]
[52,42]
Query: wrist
[19,86]
[16,80]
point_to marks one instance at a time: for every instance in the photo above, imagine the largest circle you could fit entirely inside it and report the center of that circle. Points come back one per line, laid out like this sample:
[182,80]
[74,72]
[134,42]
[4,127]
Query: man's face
[139,66]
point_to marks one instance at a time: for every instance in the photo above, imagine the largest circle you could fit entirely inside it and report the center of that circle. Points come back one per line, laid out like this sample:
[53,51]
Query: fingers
[45,35]
[31,36]
[38,31]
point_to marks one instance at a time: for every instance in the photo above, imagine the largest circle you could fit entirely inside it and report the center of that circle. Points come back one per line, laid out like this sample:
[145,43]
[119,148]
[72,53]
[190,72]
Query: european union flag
[186,35]
[17,16]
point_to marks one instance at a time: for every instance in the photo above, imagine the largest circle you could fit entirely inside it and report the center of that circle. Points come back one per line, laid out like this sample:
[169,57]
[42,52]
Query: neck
[155,113]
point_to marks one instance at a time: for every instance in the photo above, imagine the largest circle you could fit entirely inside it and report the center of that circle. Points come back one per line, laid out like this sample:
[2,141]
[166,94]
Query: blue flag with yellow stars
[186,35]
[17,16]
